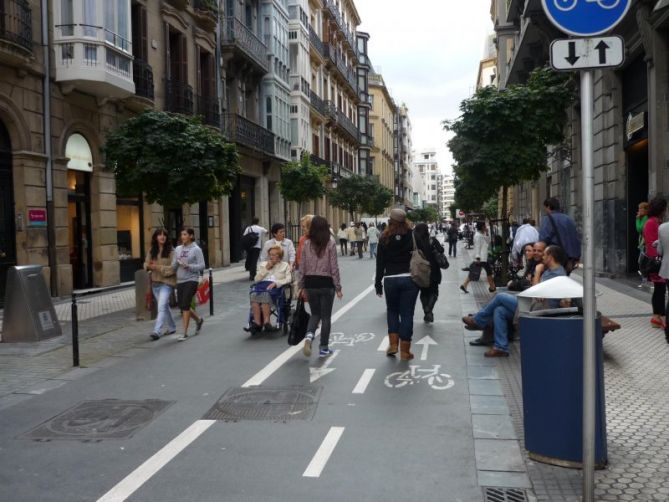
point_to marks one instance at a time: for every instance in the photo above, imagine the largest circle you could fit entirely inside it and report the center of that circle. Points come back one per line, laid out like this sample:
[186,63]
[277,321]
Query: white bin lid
[558,287]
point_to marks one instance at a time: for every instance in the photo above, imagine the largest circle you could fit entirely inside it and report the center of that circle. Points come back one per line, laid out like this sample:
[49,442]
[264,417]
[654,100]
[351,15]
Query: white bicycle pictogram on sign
[350,340]
[436,380]
[567,5]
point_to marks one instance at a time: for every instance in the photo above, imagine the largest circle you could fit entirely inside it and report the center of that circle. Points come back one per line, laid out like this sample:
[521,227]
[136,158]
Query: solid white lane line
[287,354]
[324,452]
[384,344]
[144,472]
[362,384]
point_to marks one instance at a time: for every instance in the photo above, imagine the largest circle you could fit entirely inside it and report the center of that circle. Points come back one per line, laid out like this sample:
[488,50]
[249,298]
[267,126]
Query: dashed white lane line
[362,384]
[317,464]
[384,344]
[287,354]
[144,472]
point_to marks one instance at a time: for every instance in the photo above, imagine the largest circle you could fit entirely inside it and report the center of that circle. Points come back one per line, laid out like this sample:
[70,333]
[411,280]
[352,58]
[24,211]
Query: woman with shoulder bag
[656,210]
[393,275]
[430,247]
[163,280]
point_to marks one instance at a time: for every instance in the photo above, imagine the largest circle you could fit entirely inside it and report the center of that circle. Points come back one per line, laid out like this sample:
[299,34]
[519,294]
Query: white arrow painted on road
[426,341]
[321,371]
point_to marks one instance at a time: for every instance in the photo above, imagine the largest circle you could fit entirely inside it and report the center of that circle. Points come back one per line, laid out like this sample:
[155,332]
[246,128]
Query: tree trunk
[505,236]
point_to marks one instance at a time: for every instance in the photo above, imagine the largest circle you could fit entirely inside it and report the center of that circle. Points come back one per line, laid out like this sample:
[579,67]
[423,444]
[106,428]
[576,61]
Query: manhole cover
[504,495]
[96,420]
[266,403]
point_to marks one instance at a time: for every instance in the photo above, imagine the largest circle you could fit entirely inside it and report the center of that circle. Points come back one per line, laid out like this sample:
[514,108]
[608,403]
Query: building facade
[403,158]
[382,118]
[631,125]
[445,195]
[427,168]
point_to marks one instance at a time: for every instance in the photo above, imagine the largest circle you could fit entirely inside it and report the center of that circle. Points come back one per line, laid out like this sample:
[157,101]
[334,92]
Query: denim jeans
[372,249]
[320,305]
[162,293]
[500,311]
[401,295]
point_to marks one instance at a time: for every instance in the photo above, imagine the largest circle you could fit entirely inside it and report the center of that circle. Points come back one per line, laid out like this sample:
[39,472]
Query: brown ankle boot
[405,351]
[393,342]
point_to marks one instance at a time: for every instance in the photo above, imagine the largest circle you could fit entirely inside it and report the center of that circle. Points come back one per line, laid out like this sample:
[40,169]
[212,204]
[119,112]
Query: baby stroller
[279,307]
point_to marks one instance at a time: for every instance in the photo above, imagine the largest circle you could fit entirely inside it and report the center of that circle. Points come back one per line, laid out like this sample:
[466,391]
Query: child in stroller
[268,292]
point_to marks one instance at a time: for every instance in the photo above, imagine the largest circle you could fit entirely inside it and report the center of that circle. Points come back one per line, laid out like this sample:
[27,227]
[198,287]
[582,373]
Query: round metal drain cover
[96,420]
[266,403]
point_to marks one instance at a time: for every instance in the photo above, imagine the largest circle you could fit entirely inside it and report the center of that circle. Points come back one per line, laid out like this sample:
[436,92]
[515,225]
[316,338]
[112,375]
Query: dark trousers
[401,295]
[659,292]
[343,245]
[453,248]
[320,305]
[251,263]
[428,296]
[360,245]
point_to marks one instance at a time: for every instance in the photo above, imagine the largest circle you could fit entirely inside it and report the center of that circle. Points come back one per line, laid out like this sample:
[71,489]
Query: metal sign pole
[589,307]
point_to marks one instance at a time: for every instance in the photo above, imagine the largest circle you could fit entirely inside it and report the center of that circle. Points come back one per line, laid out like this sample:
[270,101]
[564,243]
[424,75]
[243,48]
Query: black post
[75,331]
[211,292]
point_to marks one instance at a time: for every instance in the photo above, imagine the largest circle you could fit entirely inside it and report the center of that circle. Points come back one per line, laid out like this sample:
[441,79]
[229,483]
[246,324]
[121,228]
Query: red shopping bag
[203,293]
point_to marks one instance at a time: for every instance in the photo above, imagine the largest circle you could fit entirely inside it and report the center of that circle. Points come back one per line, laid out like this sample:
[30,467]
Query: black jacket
[435,271]
[392,258]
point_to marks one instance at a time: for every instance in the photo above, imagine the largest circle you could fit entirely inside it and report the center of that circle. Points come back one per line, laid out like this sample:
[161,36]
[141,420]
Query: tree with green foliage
[378,198]
[427,214]
[452,209]
[491,207]
[350,194]
[172,159]
[303,181]
[502,136]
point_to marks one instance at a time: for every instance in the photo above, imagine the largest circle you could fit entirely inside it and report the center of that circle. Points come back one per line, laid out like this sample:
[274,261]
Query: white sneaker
[182,337]
[306,350]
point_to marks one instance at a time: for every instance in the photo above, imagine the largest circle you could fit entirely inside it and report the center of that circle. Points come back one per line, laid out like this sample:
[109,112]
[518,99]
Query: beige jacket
[164,273]
[280,271]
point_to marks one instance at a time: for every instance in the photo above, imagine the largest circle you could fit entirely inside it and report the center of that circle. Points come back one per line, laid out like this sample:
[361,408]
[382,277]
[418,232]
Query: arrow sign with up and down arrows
[587,53]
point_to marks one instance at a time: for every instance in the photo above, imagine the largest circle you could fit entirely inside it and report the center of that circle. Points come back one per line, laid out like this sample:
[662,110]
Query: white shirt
[481,242]
[258,230]
[373,234]
[287,246]
[524,235]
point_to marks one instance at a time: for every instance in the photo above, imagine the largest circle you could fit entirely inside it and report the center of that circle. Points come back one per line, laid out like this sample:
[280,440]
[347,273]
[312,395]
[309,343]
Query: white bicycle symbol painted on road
[350,340]
[436,380]
[567,5]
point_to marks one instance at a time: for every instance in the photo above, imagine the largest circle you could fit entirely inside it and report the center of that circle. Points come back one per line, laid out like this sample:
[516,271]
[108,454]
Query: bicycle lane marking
[362,384]
[317,464]
[287,354]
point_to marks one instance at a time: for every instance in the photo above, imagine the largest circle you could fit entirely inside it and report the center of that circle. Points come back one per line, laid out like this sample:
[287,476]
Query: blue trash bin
[552,373]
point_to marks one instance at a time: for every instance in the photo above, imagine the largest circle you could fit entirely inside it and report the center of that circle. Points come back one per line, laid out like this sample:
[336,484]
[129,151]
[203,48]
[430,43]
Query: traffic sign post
[587,18]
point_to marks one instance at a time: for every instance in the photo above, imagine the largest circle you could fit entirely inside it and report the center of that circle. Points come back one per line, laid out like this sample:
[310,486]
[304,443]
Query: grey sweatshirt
[191,254]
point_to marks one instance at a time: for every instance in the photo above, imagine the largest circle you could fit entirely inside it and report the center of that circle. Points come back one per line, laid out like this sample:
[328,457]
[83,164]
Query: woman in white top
[278,231]
[342,235]
[481,244]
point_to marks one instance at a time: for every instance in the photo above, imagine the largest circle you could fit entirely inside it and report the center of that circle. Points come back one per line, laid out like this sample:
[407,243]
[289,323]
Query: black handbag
[441,260]
[298,325]
[475,271]
[648,265]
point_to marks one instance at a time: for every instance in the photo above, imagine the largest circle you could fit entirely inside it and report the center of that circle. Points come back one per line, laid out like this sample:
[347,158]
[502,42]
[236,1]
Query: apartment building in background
[446,194]
[403,159]
[382,119]
[427,168]
[277,77]
[631,125]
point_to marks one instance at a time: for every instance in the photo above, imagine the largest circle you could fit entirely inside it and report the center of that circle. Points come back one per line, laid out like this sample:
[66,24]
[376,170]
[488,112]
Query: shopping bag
[299,322]
[203,293]
[475,271]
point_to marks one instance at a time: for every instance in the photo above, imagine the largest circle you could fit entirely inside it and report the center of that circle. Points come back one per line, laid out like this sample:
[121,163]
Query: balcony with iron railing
[318,104]
[206,13]
[331,110]
[247,133]
[178,97]
[346,73]
[332,9]
[94,59]
[142,75]
[316,42]
[207,108]
[348,126]
[240,38]
[317,161]
[16,26]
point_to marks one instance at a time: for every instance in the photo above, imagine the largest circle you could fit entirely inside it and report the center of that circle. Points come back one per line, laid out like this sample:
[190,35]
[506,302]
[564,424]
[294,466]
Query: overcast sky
[428,52]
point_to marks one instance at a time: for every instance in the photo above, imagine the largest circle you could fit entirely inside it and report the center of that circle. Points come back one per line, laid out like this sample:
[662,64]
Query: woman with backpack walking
[430,247]
[252,244]
[188,262]
[394,278]
[319,282]
[159,264]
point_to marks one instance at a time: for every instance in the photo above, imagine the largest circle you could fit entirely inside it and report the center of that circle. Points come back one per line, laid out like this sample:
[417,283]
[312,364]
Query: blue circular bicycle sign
[586,17]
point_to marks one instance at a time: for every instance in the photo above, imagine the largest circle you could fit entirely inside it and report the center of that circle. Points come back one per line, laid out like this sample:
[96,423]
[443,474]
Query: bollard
[211,292]
[75,331]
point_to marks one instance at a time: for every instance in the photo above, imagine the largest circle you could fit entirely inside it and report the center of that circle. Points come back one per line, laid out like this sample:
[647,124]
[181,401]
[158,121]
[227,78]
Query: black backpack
[249,240]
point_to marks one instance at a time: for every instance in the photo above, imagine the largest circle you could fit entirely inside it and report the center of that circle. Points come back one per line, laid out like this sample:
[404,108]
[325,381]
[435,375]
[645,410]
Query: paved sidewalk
[108,331]
[636,382]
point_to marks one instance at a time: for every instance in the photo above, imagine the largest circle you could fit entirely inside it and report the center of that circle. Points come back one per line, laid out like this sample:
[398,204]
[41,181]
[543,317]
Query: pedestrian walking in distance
[452,235]
[373,237]
[350,233]
[394,278]
[481,245]
[253,252]
[430,246]
[342,235]
[319,282]
[656,210]
[188,262]
[163,279]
